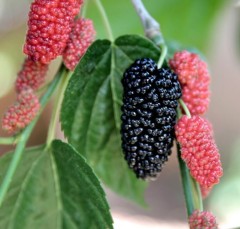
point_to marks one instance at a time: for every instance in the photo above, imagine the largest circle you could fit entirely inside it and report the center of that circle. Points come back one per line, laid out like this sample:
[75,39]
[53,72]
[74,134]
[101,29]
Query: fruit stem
[151,29]
[7,141]
[25,136]
[186,182]
[105,19]
[163,55]
[185,108]
[57,106]
[197,194]
[150,25]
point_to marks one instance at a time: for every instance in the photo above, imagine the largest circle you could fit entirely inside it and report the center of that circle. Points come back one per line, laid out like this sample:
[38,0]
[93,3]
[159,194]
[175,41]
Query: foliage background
[209,25]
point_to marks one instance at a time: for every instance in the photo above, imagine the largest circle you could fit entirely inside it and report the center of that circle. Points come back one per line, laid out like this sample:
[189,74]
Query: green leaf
[78,189]
[91,110]
[53,188]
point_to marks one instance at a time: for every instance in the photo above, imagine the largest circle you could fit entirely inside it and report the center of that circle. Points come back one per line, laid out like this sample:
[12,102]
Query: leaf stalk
[57,105]
[151,29]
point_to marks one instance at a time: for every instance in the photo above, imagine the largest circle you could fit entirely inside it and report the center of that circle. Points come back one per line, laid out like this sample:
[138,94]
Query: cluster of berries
[150,99]
[149,115]
[52,31]
[195,134]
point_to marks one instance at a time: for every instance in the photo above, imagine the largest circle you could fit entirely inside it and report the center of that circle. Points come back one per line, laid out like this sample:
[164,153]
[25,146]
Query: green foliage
[91,110]
[53,188]
[189,22]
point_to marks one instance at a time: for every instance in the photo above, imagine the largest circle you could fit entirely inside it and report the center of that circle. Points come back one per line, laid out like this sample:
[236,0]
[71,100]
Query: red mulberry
[199,150]
[80,39]
[149,115]
[196,97]
[32,75]
[22,112]
[202,220]
[50,23]
[185,65]
[194,79]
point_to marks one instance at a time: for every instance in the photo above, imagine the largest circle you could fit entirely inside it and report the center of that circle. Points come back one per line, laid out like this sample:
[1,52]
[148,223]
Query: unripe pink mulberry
[50,23]
[194,79]
[202,220]
[198,150]
[19,115]
[185,65]
[81,37]
[196,96]
[32,75]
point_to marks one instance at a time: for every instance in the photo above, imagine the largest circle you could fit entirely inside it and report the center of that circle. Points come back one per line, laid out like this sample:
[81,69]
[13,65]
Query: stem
[57,106]
[197,194]
[24,137]
[151,29]
[163,55]
[105,19]
[7,141]
[84,10]
[42,89]
[186,183]
[151,26]
[185,108]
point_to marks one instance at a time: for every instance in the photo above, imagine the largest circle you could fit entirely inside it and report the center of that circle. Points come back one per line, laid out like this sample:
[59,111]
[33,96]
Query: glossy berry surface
[148,116]
[49,25]
[19,115]
[81,37]
[198,150]
[202,220]
[32,75]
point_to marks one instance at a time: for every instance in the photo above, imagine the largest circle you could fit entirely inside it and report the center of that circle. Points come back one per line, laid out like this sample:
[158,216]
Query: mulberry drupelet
[149,115]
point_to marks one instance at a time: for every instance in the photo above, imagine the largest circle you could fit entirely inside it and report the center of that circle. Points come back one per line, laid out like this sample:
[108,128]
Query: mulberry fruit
[148,116]
[194,79]
[50,23]
[202,220]
[22,112]
[185,65]
[32,75]
[81,37]
[198,150]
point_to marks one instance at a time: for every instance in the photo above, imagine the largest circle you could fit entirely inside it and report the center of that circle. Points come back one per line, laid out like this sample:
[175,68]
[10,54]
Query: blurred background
[212,26]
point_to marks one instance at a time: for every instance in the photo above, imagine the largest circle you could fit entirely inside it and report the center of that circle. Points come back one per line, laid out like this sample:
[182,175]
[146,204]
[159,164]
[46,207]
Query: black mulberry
[148,116]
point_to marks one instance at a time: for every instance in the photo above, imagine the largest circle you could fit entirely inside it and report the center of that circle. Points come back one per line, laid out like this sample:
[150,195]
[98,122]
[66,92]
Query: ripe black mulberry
[148,116]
